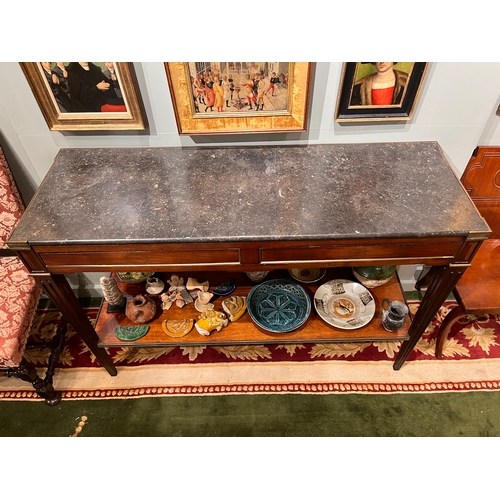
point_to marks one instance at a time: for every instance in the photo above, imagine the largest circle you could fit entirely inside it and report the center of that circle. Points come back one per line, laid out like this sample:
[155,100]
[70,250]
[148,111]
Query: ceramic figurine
[166,301]
[178,299]
[209,321]
[154,286]
[141,309]
[177,293]
[175,282]
[202,303]
[194,284]
[235,307]
[110,290]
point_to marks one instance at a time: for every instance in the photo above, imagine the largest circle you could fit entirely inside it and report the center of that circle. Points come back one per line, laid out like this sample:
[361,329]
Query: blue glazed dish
[278,305]
[226,288]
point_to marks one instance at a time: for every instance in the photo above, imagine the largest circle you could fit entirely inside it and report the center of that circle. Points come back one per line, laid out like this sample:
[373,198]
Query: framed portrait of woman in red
[379,91]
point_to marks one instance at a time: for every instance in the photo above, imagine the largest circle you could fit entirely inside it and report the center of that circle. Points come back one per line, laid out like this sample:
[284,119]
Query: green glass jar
[373,276]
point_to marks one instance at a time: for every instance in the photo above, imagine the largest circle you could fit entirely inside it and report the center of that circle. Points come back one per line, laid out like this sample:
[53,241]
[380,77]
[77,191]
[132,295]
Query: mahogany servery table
[245,209]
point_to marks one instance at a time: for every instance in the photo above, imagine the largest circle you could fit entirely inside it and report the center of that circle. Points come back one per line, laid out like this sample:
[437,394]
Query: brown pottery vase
[140,309]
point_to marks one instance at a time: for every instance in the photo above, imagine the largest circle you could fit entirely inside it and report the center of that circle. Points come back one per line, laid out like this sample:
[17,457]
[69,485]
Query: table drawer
[340,253]
[59,262]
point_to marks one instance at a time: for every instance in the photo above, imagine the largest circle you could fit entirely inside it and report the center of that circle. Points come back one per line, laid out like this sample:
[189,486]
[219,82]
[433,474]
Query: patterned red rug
[471,363]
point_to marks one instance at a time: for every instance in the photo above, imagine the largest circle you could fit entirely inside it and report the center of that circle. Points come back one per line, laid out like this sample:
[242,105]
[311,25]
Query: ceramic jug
[393,314]
[140,309]
[154,286]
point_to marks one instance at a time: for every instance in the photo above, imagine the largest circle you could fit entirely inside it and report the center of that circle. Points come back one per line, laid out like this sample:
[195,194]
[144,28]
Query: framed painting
[211,98]
[379,91]
[87,95]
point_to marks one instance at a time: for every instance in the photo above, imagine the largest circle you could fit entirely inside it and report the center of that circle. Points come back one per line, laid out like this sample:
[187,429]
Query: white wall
[456,107]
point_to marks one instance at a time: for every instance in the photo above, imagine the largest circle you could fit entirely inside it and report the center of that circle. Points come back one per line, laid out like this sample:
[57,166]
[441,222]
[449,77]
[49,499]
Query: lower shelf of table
[245,331]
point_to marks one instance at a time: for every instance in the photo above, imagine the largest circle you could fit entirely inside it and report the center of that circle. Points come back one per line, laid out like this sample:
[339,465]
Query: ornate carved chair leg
[53,397]
[451,318]
[28,373]
[56,348]
[46,390]
[24,372]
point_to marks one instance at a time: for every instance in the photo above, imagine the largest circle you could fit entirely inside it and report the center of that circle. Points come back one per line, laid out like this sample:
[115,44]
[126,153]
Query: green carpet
[397,415]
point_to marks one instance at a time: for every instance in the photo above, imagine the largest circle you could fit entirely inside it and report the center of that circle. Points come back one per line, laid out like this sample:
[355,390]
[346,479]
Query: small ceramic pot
[140,309]
[154,286]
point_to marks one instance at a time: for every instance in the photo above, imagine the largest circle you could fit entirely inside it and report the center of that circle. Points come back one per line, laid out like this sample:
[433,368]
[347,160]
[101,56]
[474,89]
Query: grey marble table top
[209,194]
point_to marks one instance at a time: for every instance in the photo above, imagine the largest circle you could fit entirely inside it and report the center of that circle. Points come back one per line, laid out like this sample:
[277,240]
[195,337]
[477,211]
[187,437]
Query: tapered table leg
[59,291]
[441,284]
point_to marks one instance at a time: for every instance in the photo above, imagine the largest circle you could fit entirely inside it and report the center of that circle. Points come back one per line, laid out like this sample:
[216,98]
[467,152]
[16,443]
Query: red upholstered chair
[19,296]
[478,290]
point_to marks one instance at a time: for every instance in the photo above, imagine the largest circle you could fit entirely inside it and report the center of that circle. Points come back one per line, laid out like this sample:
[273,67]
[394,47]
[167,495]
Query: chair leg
[43,388]
[451,318]
[27,372]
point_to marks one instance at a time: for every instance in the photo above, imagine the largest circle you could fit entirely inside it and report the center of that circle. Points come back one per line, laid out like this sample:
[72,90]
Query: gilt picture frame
[65,99]
[239,98]
[379,91]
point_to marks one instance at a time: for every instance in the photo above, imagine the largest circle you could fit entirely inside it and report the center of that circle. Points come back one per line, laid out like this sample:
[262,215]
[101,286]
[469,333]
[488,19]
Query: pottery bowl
[134,277]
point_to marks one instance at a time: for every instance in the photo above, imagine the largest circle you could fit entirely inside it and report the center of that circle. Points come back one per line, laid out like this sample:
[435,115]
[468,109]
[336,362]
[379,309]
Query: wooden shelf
[244,331]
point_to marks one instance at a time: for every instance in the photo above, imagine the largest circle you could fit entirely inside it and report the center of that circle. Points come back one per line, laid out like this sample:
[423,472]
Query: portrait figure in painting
[84,87]
[380,84]
[222,88]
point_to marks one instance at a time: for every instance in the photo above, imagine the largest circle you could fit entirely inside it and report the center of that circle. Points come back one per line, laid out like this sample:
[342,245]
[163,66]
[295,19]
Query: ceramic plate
[309,275]
[344,304]
[278,305]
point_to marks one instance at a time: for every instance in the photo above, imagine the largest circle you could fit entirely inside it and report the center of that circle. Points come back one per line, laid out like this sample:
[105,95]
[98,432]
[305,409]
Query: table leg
[441,283]
[59,291]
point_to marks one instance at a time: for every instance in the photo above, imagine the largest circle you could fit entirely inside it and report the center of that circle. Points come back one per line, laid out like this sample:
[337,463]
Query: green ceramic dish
[373,276]
[134,277]
[131,333]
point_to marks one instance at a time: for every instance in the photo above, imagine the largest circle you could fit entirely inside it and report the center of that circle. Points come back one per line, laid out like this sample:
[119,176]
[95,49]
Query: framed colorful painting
[212,98]
[379,91]
[87,95]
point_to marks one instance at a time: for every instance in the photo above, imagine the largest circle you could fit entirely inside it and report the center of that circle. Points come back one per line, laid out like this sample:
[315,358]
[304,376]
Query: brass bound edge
[478,235]
[18,245]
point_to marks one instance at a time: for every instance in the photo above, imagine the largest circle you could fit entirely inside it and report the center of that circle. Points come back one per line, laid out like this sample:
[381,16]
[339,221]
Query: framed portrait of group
[87,95]
[379,91]
[212,98]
